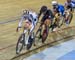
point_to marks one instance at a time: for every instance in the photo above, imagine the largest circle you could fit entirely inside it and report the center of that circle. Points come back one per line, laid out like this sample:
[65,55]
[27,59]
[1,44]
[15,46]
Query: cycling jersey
[24,17]
[47,15]
[32,16]
[72,4]
[60,9]
[73,0]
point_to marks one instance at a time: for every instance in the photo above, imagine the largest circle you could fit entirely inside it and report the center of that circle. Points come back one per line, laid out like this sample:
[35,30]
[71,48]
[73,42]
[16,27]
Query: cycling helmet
[25,11]
[54,2]
[43,9]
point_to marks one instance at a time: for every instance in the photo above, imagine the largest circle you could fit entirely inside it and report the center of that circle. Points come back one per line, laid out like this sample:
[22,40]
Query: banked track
[65,34]
[60,33]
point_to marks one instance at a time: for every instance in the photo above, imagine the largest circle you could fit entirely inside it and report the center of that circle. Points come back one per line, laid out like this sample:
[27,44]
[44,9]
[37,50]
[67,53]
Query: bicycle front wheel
[30,41]
[20,44]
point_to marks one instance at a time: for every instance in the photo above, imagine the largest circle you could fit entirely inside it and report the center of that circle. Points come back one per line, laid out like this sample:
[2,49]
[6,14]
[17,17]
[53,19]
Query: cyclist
[58,11]
[70,3]
[30,19]
[59,7]
[47,14]
[69,9]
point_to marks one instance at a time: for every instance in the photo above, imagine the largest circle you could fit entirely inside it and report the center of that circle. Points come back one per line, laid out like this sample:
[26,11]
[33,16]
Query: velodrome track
[70,34]
[8,35]
[8,39]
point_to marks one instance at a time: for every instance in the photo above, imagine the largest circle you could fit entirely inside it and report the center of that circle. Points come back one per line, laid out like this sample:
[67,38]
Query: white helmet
[54,2]
[26,11]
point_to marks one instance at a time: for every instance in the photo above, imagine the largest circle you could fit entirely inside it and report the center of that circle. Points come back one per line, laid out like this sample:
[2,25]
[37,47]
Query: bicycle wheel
[30,41]
[20,44]
[45,34]
[38,33]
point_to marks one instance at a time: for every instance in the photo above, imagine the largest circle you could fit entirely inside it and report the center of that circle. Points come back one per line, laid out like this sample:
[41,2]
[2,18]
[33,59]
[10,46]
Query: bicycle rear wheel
[45,34]
[20,44]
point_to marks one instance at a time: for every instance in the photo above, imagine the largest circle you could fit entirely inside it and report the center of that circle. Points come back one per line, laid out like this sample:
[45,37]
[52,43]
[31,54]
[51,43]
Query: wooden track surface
[10,10]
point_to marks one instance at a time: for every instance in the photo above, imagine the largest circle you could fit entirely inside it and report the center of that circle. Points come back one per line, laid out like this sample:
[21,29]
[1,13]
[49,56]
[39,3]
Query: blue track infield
[62,51]
[68,56]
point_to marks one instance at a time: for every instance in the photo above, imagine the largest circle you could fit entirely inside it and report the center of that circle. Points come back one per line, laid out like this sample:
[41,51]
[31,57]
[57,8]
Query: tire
[20,42]
[30,42]
[44,35]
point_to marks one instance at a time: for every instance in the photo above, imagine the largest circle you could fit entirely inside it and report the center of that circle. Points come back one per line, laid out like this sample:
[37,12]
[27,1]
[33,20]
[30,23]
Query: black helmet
[44,8]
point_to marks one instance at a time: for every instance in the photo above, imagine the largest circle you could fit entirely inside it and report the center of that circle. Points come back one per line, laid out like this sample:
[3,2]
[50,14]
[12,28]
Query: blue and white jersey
[61,9]
[72,3]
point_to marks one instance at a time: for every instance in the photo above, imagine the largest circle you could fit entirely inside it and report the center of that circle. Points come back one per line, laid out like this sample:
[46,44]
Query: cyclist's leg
[26,28]
[26,36]
[27,32]
[47,23]
[42,22]
[31,35]
[67,18]
[31,30]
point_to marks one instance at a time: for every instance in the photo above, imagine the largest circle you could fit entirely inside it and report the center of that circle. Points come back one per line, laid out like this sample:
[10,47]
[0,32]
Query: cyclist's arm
[20,22]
